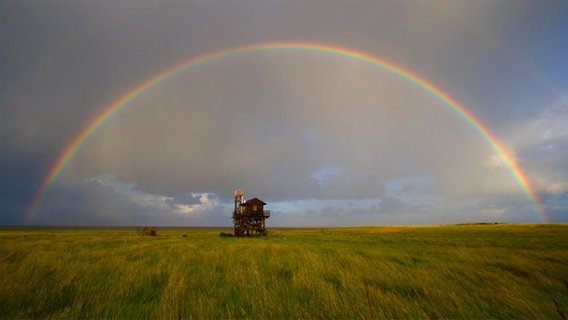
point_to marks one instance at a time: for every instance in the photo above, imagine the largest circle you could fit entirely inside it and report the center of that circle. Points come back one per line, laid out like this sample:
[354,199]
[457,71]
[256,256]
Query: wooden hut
[249,216]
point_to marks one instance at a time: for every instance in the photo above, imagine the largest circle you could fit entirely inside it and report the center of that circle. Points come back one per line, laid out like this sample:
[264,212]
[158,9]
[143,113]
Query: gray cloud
[200,135]
[273,121]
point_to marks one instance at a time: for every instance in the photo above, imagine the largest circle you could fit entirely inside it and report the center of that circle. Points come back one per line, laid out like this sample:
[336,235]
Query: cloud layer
[324,139]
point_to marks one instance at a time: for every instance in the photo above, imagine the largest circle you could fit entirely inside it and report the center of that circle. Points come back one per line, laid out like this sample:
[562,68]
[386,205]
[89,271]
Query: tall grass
[503,271]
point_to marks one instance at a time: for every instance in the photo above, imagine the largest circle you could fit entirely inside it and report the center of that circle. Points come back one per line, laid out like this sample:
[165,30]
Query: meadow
[458,272]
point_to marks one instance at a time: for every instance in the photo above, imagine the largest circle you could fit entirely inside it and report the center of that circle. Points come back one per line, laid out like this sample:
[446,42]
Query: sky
[324,139]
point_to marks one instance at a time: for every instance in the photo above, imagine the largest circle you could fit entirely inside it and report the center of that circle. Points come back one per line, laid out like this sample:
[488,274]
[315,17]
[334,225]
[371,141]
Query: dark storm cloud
[276,123]
[109,202]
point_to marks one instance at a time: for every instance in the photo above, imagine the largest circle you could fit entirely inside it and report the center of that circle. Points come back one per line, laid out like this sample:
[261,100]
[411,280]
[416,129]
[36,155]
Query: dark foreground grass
[495,271]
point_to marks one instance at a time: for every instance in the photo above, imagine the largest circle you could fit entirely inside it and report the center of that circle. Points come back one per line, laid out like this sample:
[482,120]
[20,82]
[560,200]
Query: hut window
[254,208]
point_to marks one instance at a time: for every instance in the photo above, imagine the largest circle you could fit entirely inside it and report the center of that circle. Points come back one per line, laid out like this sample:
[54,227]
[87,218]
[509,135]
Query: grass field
[467,271]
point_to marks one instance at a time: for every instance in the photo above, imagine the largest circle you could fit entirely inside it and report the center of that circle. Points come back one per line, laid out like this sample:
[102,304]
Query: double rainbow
[75,144]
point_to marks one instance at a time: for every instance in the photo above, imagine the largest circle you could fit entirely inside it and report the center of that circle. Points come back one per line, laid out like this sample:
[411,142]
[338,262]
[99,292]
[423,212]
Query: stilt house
[249,216]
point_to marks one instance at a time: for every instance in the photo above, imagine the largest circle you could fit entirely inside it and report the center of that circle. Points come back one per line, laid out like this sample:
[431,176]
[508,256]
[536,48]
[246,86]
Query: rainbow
[75,144]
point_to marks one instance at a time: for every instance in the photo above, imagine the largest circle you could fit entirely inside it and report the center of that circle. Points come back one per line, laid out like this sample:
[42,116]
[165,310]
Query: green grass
[469,271]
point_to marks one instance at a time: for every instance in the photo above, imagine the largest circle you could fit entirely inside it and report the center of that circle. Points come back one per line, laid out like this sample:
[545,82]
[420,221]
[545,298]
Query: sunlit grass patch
[470,271]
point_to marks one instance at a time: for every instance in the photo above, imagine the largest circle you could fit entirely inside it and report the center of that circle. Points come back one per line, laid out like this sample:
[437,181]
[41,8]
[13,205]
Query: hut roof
[255,201]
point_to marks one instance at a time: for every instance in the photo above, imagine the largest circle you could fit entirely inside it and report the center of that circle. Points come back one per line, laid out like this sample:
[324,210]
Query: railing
[244,213]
